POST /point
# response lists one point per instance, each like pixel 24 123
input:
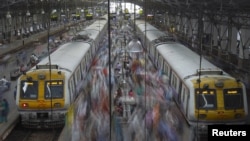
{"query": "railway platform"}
pixel 5 50
pixel 12 118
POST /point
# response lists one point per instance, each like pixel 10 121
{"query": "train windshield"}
pixel 233 98
pixel 29 89
pixel 54 88
pixel 205 99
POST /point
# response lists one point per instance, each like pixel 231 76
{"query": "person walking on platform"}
pixel 15 91
pixel 5 82
pixel 5 110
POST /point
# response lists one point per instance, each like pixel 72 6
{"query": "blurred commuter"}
pixel 5 110
pixel 1 109
pixel 118 127
pixel 5 82
pixel 15 91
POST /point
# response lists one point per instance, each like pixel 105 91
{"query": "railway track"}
pixel 23 134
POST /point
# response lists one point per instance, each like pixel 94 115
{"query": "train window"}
pixel 160 62
pixel 72 88
pixel 184 93
pixel 94 48
pixel 205 99
pixel 233 98
pixel 174 81
pixel 87 57
pixel 89 54
pixel 166 68
pixel 152 49
pixel 83 68
pixel 29 90
pixel 79 72
pixel 83 63
pixel 78 75
pixel 54 88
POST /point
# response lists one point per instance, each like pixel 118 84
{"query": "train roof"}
pixel 152 33
pixel 145 26
pixel 67 56
pixel 184 61
pixel 97 25
pixel 91 33
pixel 93 30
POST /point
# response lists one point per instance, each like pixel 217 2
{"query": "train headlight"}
pixel 57 105
pixel 25 105
pixel 237 116
pixel 202 116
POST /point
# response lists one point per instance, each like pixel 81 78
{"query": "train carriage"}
pixel 204 93
pixel 95 31
pixel 47 91
pixel 148 34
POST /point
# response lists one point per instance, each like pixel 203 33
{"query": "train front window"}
pixel 54 88
pixel 29 89
pixel 205 99
pixel 233 98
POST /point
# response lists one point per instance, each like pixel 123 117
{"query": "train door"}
pixel 184 99
pixel 71 88
pixel 93 48
pixel 88 59
pixel 155 55
pixel 179 85
pixel 78 78
pixel 166 68
pixel 174 86
pixel 160 62
pixel 151 50
pixel 83 68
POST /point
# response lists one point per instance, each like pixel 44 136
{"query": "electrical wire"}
pixel 110 93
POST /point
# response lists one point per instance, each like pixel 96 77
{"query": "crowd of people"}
pixel 152 115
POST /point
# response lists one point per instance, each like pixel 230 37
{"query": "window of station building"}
pixel 29 89
pixel 233 98
pixel 54 88
pixel 205 99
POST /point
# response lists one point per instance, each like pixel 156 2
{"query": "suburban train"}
pixel 46 92
pixel 204 93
